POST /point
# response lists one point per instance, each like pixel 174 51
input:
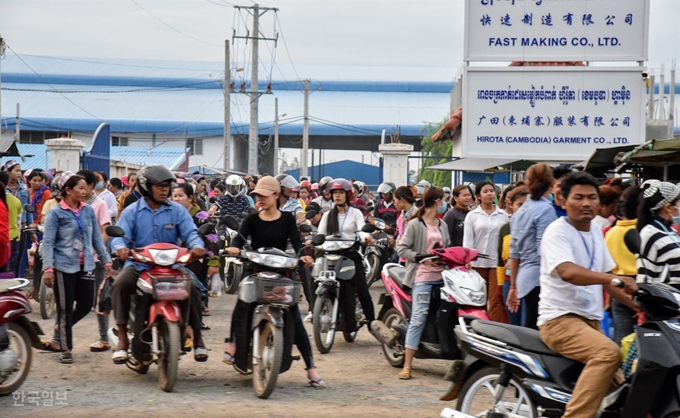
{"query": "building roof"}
pixel 38 156
pixel 347 169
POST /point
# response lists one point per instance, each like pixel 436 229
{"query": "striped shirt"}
pixel 659 246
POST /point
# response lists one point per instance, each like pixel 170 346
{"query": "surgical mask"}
pixel 441 209
pixel 551 198
pixel 99 185
pixel 676 219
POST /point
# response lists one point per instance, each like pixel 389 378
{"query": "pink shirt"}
pixel 427 273
pixel 101 211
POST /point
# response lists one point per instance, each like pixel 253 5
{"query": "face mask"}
pixel 441 209
pixel 676 219
pixel 99 185
pixel 551 198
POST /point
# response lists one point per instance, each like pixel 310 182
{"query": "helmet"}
pixel 361 186
pixel 341 184
pixel 324 182
pixel 235 185
pixel 306 184
pixel 385 188
pixel 152 174
pixel 287 181
pixel 447 190
pixel 424 183
pixel 315 186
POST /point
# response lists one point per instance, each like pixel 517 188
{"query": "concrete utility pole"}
pixel 305 134
pixel 227 103
pixel 17 126
pixel 276 135
pixel 253 134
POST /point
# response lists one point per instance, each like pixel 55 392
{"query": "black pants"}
pixel 70 288
pixel 530 308
pixel 353 288
pixel 308 286
pixel 200 269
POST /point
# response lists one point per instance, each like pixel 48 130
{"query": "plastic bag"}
pixel 104 302
pixel 216 288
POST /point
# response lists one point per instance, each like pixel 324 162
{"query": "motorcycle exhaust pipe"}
pixel 154 342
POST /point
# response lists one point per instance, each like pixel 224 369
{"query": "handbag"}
pixel 104 302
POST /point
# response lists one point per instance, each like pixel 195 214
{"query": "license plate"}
pixel 326 275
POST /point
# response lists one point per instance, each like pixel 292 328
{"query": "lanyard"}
pixel 343 221
pixel 669 232
pixel 80 222
pixel 591 256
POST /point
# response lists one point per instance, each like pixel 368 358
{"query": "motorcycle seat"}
pixel 398 274
pixel 525 338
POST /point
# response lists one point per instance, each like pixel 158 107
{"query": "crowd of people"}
pixel 549 240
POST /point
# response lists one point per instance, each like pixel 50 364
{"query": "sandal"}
pixel 204 327
pixel 317 384
pixel 206 312
pixel 120 356
pixel 200 354
pixel 66 358
pixel 100 346
pixel 228 358
pixel 49 346
pixel 405 374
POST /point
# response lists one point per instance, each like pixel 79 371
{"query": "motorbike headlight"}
pixel 273 261
pixel 476 296
pixel 164 257
pixel 337 245
pixel 142 258
pixel 185 258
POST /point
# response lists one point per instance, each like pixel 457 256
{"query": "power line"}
pixel 123 65
pixel 172 27
pixel 286 45
pixel 186 87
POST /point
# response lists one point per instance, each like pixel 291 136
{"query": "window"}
pixel 195 146
pixel 117 141
pixel 36 137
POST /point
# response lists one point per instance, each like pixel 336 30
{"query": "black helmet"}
pixel 324 182
pixel 152 174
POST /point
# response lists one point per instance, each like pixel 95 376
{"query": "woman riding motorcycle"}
pixel 345 221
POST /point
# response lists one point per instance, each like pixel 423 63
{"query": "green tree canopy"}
pixel 430 148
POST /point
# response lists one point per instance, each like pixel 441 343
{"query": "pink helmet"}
pixel 315 187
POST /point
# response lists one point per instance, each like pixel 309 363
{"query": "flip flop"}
pixel 228 358
pixel 200 354
pixel 47 346
pixel 120 356
pixel 100 346
pixel 317 384
pixel 66 358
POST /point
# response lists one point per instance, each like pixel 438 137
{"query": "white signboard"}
pixel 551 113
pixel 556 30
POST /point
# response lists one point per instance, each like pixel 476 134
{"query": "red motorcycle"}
pixel 157 323
pixel 17 335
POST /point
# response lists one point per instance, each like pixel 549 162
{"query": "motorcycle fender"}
pixel 386 302
pixel 264 313
pixel 325 290
pixel 344 270
pixel 459 373
pixel 33 329
pixel 166 308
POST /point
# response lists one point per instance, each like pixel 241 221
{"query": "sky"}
pixel 350 32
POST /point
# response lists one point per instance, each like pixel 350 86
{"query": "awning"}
pixel 8 148
pixel 603 158
pixel 483 164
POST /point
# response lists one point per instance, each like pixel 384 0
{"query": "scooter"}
pixel 17 335
pixel 380 253
pixel 463 293
pixel 157 323
pixel 232 267
pixel 509 372
pixel 273 329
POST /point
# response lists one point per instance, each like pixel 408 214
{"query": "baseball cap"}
pixel 267 186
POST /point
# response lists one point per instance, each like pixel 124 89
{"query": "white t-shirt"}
pixel 349 223
pixel 562 243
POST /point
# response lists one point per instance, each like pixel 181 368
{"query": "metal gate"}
pixel 98 157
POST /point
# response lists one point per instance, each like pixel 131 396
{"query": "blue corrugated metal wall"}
pixel 99 154
pixel 369 174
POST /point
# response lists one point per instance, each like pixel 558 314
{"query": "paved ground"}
pixel 360 382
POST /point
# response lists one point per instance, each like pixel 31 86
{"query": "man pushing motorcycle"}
pixel 153 219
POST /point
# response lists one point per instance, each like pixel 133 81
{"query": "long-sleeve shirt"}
pixel 349 223
pixel 274 233
pixel 170 223
pixel 110 201
pixel 659 246
pixel 481 233
pixel 526 230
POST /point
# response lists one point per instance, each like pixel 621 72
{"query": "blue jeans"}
pixel 421 304
pixel 624 321
pixel 102 320
pixel 515 318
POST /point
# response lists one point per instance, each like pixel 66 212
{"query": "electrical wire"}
pixel 211 70
pixel 185 87
pixel 172 27
pixel 286 46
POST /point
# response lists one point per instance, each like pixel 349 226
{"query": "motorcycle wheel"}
pixel 478 393
pixel 168 362
pixel 322 317
pixel 270 349
pixel 374 272
pixel 232 278
pixel 395 354
pixel 20 343
pixel 48 305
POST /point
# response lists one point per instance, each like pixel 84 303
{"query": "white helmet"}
pixel 287 181
pixel 235 185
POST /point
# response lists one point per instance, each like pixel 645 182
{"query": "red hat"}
pixel 124 179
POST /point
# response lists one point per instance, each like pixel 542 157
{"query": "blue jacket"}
pixel 25 197
pixel 62 231
pixel 170 223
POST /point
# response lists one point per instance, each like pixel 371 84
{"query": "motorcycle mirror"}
pixel 319 239
pixel 310 214
pixel 305 228
pixel 115 231
pixel 362 208
pixel 632 241
pixel 212 200
pixel 29 208
pixel 206 229
pixel 370 228
pixel 231 222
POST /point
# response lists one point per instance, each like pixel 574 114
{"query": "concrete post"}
pixel 65 154
pixel 395 162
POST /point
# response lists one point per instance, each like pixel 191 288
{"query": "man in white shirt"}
pixel 575 267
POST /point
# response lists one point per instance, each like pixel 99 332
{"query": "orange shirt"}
pixel 47 195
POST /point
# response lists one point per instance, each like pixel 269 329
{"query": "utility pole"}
pixel 253 134
pixel 276 135
pixel 305 134
pixel 17 127
pixel 227 103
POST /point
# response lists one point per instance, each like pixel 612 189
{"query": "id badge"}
pixel 78 245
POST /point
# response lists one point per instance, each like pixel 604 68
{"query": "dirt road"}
pixel 360 382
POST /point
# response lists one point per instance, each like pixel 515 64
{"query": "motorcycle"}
pixel 17 335
pixel 231 270
pixel 522 377
pixel 157 323
pixel 463 293
pixel 380 253
pixel 329 272
pixel 273 328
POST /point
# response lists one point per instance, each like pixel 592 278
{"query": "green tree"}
pixel 430 148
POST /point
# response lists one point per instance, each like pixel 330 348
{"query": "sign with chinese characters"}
pixel 551 113
pixel 556 30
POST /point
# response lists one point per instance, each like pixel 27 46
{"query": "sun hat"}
pixel 267 186
pixel 64 178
